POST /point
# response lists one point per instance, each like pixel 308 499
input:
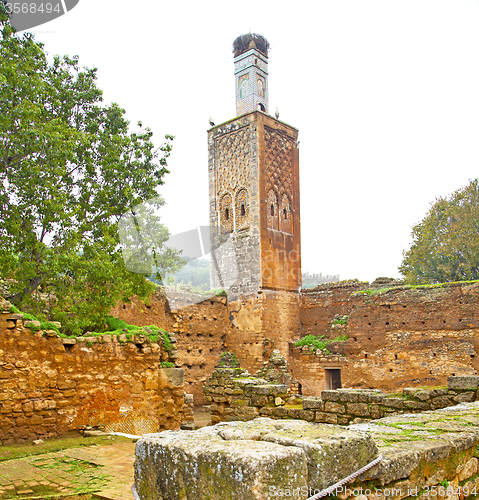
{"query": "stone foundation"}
pixel 234 395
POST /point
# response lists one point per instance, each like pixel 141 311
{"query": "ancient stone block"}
pixel 330 395
pixel 416 405
pixel 312 403
pixel 393 403
pixel 463 382
pixel 307 415
pixel 327 418
pixel 441 402
pixel 464 397
pixel 334 407
pixel 280 412
pixel 259 400
pixel 465 471
pixel 242 469
pixel 359 409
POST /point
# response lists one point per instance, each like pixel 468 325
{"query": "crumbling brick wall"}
pixel 50 386
pixel 200 329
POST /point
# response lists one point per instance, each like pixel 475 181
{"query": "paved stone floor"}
pixel 105 471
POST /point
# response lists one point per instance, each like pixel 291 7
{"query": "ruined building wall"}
pixel 319 305
pixel 199 328
pixel 50 386
pixel 409 337
pixel 271 315
pixel 398 337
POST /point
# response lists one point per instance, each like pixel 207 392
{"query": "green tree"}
pixel 69 170
pixel 446 242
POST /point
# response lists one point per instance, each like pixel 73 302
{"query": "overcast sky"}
pixel 385 95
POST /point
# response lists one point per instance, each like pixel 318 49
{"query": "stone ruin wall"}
pixel 50 386
pixel 199 328
pixel 397 338
pixel 410 337
pixel 205 330
pixel 236 396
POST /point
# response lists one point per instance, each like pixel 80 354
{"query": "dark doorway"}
pixel 332 379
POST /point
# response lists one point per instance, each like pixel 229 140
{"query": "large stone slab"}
pixel 463 382
pixel 247 460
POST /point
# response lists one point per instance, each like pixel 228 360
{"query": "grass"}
pixel 20 450
pixel 116 327
pixel 413 287
pixel 319 342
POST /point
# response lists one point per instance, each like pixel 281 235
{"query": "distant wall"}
pixel 50 386
pixel 319 305
pixel 406 337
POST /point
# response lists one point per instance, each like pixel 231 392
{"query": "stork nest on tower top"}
pixel 246 42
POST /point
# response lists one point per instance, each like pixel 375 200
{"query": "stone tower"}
pixel 254 187
pixel 251 73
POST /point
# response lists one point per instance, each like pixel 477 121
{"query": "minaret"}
pixel 251 73
pixel 254 187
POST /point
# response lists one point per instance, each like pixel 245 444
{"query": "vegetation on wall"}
pixel 70 168
pixel 446 242
pixel 319 342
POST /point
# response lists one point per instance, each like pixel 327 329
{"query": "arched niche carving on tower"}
pixel 272 210
pixel 286 215
pixel 226 214
pixel 242 210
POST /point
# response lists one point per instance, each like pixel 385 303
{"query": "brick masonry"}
pixel 51 386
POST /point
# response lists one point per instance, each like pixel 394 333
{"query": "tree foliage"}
pixel 446 242
pixel 69 169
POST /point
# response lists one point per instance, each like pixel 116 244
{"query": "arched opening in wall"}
pixel 332 379
pixel 272 212
pixel 261 107
pixel 226 207
pixel 242 212
pixel 286 214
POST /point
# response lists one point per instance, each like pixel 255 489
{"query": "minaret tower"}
pixel 254 186
pixel 251 73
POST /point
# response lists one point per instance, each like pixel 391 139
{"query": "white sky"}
pixel 385 95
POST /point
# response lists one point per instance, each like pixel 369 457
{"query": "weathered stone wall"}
pixel 271 315
pixel 319 305
pixel 206 329
pixel 404 337
pixel 50 386
pixel 397 338
pixel 235 395
pixel 309 367
pixel 200 330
